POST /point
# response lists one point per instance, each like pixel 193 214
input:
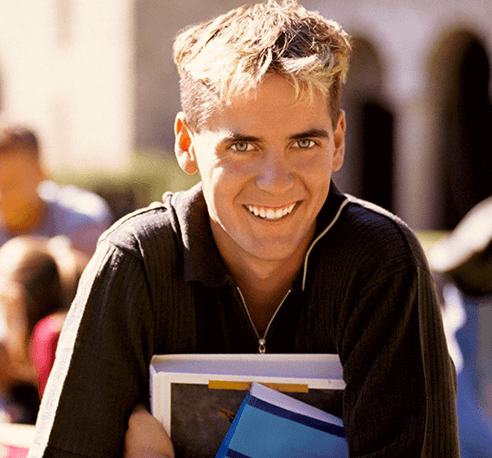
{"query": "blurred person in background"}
pixel 462 265
pixel 30 204
pixel 38 280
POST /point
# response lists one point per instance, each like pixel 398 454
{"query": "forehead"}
pixel 275 106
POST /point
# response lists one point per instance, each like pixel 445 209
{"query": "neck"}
pixel 263 283
pixel 264 275
pixel 263 297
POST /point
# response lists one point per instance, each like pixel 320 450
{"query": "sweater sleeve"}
pixel 101 368
pixel 401 388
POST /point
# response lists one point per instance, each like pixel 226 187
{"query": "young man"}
pixel 264 255
pixel 31 205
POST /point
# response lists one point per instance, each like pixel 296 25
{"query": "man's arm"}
pixel 401 388
pixel 101 367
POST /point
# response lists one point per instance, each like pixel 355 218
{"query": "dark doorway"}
pixel 370 128
pixel 461 74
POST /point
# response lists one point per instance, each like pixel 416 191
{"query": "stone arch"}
pixel 368 169
pixel 459 87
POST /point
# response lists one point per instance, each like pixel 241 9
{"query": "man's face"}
pixel 265 163
pixel 20 176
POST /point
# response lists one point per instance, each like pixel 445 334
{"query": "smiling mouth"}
pixel 269 213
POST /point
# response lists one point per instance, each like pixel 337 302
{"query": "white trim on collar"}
pixel 320 236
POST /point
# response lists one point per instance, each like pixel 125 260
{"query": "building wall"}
pixel 97 80
pixel 406 36
pixel 156 78
pixel 66 70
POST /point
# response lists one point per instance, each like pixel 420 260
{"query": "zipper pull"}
pixel 262 346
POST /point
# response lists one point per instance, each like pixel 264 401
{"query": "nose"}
pixel 275 175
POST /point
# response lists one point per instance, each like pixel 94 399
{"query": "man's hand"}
pixel 146 437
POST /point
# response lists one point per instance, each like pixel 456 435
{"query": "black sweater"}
pixel 157 285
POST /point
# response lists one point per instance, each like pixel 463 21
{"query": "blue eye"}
pixel 305 143
pixel 242 147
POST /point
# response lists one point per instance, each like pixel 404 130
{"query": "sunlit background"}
pixel 95 79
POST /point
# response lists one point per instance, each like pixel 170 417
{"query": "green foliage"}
pixel 151 174
pixel 160 173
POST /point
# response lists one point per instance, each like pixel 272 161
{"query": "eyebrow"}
pixel 240 138
pixel 317 133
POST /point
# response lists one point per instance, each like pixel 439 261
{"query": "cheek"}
pixel 337 162
pixel 317 182
pixel 19 197
pixel 316 172
pixel 224 179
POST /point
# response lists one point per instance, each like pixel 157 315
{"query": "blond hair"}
pixel 232 54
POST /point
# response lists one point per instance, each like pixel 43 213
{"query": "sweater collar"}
pixel 201 259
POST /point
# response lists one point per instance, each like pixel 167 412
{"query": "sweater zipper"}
pixel 262 340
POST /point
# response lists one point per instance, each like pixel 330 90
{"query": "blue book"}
pixel 273 424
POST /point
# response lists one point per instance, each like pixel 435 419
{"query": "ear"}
pixel 339 139
pixel 183 146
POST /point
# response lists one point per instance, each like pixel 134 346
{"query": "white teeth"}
pixel 271 214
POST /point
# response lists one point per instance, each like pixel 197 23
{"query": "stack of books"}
pixel 204 400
